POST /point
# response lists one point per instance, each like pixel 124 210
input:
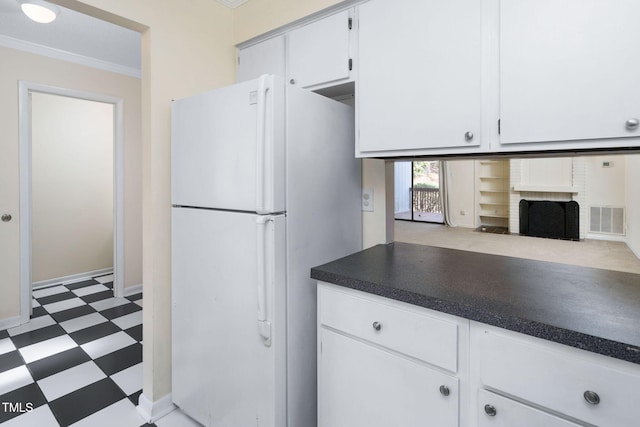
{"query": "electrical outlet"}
pixel 367 199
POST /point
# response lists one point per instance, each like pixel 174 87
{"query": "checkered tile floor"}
pixel 77 362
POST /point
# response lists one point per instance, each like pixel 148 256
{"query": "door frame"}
pixel 24 118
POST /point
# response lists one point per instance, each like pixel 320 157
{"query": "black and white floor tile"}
pixel 77 362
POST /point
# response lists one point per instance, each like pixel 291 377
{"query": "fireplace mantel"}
pixel 522 188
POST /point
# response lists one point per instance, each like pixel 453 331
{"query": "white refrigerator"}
pixel 264 185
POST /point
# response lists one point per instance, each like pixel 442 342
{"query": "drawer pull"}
pixel 632 124
pixel 490 410
pixel 444 390
pixel 377 326
pixel 591 397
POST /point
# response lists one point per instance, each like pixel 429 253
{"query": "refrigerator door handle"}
pixel 264 153
pixel 265 269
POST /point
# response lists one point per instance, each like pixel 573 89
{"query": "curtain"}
pixel 444 193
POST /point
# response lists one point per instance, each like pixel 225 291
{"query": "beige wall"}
pixel 187 47
pixel 72 151
pixel 16 66
pixel 259 16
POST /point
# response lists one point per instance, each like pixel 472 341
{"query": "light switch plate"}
pixel 367 199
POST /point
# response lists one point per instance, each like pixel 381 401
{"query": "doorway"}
pixel 59 216
pixel 417 191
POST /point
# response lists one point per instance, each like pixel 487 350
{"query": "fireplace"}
pixel 550 219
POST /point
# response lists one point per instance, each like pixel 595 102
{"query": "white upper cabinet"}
pixel 569 73
pixel 315 55
pixel 266 57
pixel 319 53
pixel 419 78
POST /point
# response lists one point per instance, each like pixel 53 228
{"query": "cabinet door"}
pixel 266 57
pixel 318 53
pixel 419 75
pixel 360 385
pixel 568 70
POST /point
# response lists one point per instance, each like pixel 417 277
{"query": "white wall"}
pixel 377 226
pixel 633 203
pixel 72 186
pixel 547 172
pixel 606 186
pixel 462 189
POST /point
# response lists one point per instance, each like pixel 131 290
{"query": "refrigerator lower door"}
pixel 228 326
pixel 227 148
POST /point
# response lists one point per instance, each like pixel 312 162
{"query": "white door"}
pixel 227 148
pixel 364 386
pixel 228 329
pixel 568 70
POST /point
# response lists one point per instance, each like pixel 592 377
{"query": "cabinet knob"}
pixel 591 397
pixel 490 410
pixel 292 81
pixel 632 124
pixel 468 136
pixel 6 218
pixel 444 390
pixel 377 326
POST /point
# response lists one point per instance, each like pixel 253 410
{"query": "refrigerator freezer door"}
pixel 227 148
pixel 228 327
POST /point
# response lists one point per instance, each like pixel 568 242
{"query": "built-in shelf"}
pixel 493 192
pixel 494 215
pixel 524 188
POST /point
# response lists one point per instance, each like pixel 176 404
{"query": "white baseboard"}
pixel 9 322
pixel 153 411
pixel 132 290
pixel 72 278
pixel 607 237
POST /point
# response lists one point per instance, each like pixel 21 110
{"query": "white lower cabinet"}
pixel 586 388
pixel 385 363
pixel 363 385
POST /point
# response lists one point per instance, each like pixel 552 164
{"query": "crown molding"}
pixel 63 55
pixel 232 4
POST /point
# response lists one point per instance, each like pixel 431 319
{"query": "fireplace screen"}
pixel 551 219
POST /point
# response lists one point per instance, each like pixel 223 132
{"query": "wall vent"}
pixel 607 220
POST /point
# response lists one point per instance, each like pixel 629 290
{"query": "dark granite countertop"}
pixel 587 308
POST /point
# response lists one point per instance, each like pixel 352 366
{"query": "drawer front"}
pixel 498 411
pixel 422 336
pixel 560 380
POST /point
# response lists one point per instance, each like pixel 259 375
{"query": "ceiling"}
pixel 72 36
pixel 77 38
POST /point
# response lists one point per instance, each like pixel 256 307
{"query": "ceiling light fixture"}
pixel 39 11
